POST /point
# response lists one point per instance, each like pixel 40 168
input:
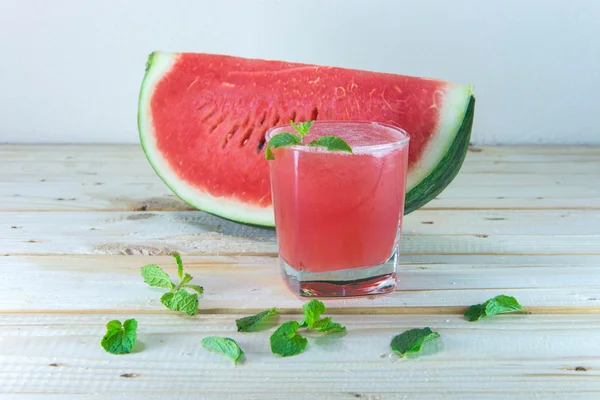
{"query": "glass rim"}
pixel 403 140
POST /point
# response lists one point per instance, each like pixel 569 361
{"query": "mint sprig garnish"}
pixel 331 143
pixel 224 345
pixel 302 127
pixel 280 140
pixel 412 341
pixel 120 338
pixel 497 305
pixel 256 322
pixel 287 342
pixel 177 299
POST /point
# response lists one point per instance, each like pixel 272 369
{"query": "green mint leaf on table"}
pixel 177 258
pixel 154 276
pixel 254 322
pixel 286 342
pixel 498 305
pixel 280 140
pixel 198 289
pixel 312 312
pixel 186 278
pixel 331 143
pixel 223 345
pixel 302 127
pixel 475 312
pixel 181 301
pixel 412 340
pixel 120 338
pixel 327 325
pixel 177 299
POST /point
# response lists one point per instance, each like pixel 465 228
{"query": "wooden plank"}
pixel 425 231
pixel 518 356
pixel 68 178
pixel 100 284
pixel 131 192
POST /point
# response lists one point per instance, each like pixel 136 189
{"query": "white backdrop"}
pixel 70 70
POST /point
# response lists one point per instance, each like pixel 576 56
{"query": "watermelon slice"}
pixel 202 121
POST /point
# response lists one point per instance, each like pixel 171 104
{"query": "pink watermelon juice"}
pixel 338 214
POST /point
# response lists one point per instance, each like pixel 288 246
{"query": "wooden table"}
pixel 78 222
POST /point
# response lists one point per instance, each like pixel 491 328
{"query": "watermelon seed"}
pixel 210 114
pixel 262 118
pixel 246 120
pixel 314 114
pixel 230 135
pixel 261 144
pixel 277 118
pixel 247 135
pixel 293 116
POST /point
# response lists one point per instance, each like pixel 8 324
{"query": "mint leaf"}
pixel 120 339
pixel 332 143
pixel 186 278
pixel 312 311
pixel 254 322
pixel 412 340
pixel 498 305
pixel 475 312
pixel 286 342
pixel 502 304
pixel 302 127
pixel 177 299
pixel 280 140
pixel 177 258
pixel 154 276
pixel 327 325
pixel 199 289
pixel 223 345
pixel 181 301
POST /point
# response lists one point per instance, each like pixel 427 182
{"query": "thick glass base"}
pixel 368 281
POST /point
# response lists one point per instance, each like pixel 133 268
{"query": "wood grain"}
pixel 524 355
pixel 78 222
pixel 425 231
pixel 119 178
pixel 38 284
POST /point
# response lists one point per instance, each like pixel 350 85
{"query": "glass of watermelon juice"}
pixel 338 215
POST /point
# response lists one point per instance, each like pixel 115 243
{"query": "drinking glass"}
pixel 338 215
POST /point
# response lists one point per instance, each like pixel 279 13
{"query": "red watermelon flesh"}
pixel 203 119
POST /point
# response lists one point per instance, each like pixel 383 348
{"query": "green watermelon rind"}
pixel 442 158
pixel 446 169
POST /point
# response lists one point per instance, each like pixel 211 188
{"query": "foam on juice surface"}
pixel 359 134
